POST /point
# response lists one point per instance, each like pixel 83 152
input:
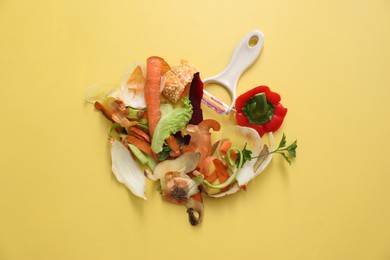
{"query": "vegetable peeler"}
pixel 245 54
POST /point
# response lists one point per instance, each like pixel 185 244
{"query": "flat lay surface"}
pixel 328 60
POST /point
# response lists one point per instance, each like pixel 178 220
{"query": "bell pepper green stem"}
pixel 260 105
pixel 258 110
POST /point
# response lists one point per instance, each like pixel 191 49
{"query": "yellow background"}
pixel 330 62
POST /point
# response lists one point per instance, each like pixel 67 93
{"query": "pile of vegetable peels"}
pixel 158 133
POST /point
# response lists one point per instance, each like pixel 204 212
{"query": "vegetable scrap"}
pixel 158 133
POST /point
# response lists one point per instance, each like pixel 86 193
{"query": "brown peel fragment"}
pixel 195 209
pixel 201 136
pixel 261 158
pixel 148 174
pixel 214 147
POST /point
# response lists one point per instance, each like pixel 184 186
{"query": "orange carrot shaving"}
pixel 204 165
pixel 172 143
pixel 233 155
pixel 189 148
pixel 220 167
pixel 222 172
pixel 211 177
pixel 105 112
pixel 142 145
pixel 225 146
pixel 139 133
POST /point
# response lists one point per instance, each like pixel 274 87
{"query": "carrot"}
pixel 105 112
pixel 155 68
pixel 233 155
pixel 222 172
pixel 220 167
pixel 204 165
pixel 204 168
pixel 139 133
pixel 225 146
pixel 172 143
pixel 212 177
pixel 142 145
pixel 191 147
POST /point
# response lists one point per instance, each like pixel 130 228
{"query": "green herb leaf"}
pixel 283 141
pixel 285 157
pixel 164 154
pixel 246 155
pixel 291 149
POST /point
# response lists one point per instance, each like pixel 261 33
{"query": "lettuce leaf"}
pixel 171 123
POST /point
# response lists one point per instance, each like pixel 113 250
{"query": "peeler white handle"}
pixel 244 55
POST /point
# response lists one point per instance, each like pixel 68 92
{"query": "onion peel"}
pixel 126 169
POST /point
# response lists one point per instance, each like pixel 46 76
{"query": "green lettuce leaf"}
pixel 171 123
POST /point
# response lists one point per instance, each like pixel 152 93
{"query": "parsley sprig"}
pixel 285 151
pixel 290 149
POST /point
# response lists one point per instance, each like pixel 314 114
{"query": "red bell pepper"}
pixel 260 109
